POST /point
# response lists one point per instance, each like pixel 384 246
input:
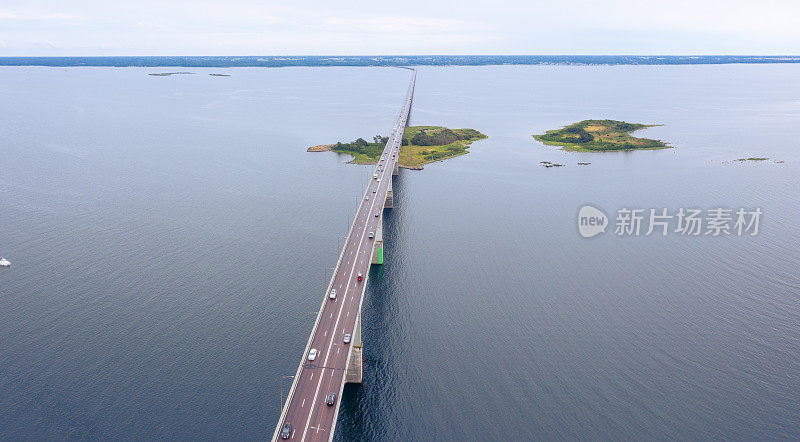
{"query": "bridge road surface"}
pixel 305 408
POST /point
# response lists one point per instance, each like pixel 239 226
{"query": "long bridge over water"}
pixel 336 362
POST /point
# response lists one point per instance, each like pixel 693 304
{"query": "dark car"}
pixel 286 431
pixel 331 398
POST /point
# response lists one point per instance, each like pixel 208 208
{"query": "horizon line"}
pixel 413 55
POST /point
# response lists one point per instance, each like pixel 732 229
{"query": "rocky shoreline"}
pixel 320 148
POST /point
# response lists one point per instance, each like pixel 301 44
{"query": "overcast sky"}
pixel 327 27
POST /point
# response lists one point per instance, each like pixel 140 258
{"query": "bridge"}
pixel 335 361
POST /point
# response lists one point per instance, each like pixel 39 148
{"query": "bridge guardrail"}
pixel 290 395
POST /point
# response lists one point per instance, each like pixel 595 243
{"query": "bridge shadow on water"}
pixel 365 408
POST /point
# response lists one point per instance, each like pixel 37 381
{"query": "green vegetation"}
pixel 426 144
pixel 363 151
pixel 599 136
pixel 420 145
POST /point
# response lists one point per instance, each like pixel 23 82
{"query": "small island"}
pixel 167 74
pixel 421 145
pixel 600 136
pixel 752 159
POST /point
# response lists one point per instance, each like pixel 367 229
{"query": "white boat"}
pixel 4 262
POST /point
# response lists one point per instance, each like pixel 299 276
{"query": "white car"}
pixel 371 235
pixel 333 294
pixel 346 338
pixel 367 197
pixel 312 354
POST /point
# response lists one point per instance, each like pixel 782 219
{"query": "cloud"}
pixel 280 27
pixel 150 25
pixel 390 24
pixel 6 14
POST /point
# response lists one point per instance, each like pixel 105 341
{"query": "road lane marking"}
pixel 390 163
pixel 335 326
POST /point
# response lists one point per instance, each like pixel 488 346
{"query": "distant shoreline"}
pixel 395 60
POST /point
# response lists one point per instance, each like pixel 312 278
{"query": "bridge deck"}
pixel 305 406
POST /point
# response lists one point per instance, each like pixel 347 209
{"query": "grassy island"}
pixel 600 136
pixel 421 145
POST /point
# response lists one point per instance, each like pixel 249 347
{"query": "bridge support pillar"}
pixel 355 366
pixel 389 197
pixel 396 169
pixel 377 248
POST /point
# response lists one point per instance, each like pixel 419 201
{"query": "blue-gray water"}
pixel 169 237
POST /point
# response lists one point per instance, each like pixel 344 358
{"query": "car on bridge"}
pixel 360 276
pixel 333 294
pixel 376 214
pixel 371 235
pixel 312 354
pixel 347 338
pixel 286 431
pixel 331 398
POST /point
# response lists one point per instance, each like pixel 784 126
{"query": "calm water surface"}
pixel 169 237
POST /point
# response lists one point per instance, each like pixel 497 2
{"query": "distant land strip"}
pixel 394 60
